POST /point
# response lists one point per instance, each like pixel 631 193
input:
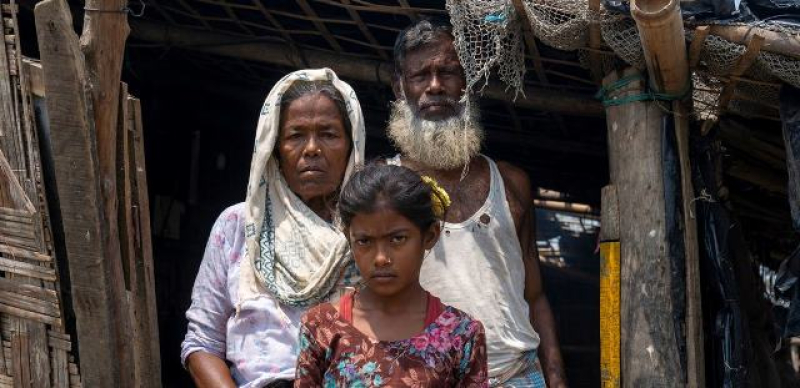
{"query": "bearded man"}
pixel 486 262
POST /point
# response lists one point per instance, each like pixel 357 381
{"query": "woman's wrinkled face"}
pixel 313 146
pixel 388 249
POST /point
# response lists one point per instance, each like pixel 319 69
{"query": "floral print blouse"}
pixel 450 352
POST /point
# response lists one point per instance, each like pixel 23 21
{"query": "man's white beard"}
pixel 443 145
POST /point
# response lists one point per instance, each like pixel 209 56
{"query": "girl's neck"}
pixel 406 300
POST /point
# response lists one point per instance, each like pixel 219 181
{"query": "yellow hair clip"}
pixel 439 197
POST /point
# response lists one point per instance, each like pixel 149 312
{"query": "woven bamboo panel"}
pixel 36 352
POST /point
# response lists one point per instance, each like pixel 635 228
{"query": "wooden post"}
pixel 649 352
pixel 96 285
pixel 105 29
pixel 661 31
pixel 143 289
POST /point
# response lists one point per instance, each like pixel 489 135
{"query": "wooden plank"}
pixel 610 276
pixel 19 202
pixel 60 368
pixel 695 351
pixel 609 214
pixel 144 286
pixel 610 331
pixel 25 269
pixel 25 314
pixel 125 196
pixel 20 359
pixel 649 351
pixel 77 175
pixel 28 290
pixel 698 40
pixel 19 242
pixel 27 303
pixel 103 45
pixel 58 343
pixel 9 129
pixel 18 224
pixel 24 254
pixel 35 77
pixel 11 213
pixel 38 354
pixel 17 230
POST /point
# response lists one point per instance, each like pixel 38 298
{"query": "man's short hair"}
pixel 416 36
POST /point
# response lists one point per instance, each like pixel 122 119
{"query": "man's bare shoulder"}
pixel 516 181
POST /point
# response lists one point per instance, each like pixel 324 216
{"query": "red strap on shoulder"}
pixel 435 308
pixel 346 307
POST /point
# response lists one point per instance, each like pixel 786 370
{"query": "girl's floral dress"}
pixel 450 352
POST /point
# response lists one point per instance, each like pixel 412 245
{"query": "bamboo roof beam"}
pixel 371 7
pixel 195 15
pixel 365 31
pixel 745 61
pixel 235 19
pixel 272 20
pixel 774 42
pixel 535 56
pixel 367 70
pixel 319 25
pixel 412 15
pixel 595 41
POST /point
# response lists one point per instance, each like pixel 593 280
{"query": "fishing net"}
pixel 561 24
pixel 489 35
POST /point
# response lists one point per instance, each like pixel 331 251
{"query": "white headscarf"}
pixel 292 253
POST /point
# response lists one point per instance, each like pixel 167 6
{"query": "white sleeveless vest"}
pixel 477 267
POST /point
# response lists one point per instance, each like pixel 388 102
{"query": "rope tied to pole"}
pixel 604 94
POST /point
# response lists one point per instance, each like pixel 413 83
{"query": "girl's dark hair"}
pixel 399 187
pixel 300 89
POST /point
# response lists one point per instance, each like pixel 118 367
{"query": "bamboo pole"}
pixel 661 30
pixel 774 42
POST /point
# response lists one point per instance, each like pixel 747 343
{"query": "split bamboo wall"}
pixel 36 351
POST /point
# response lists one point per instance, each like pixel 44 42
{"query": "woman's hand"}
pixel 209 371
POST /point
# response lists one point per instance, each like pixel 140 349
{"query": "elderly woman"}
pixel 272 257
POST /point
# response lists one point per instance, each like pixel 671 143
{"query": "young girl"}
pixel 391 332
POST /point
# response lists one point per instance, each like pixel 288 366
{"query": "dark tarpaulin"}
pixel 674 227
pixel 737 319
pixel 790 117
pixel 790 268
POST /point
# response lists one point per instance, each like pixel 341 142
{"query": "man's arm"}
pixel 541 316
